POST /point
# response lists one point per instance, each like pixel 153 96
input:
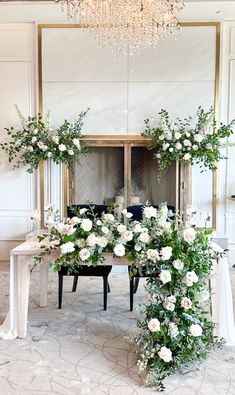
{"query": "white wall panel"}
pixel 15 42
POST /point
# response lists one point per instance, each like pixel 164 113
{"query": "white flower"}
pixel 91 240
pixel 127 235
pixel 129 215
pixel 165 354
pixel 178 264
pixel 144 237
pixel 209 146
pixel 35 131
pixel 150 212
pixel 195 330
pixel 71 152
pixel 83 211
pixel 165 146
pixel 166 253
pixel 102 241
pixel 121 228
pixel 190 278
pixel 186 303
pixel 171 149
pixel 168 135
pixel 173 330
pixel 189 235
pixel 161 137
pixel 86 224
pixel 74 220
pixel 165 276
pixel 124 212
pixel 177 135
pixel 198 138
pixel 158 156
pixel 137 228
pixel 55 139
pixel 105 230
pixel 203 296
pixel 80 243
pixel 40 144
pixel 195 147
pixel 99 222
pixel 137 247
pixel 84 254
pixel 108 217
pixel 34 139
pixel 49 154
pixel 30 148
pixel 119 250
pixel 67 248
pixel 76 142
pixel 154 325
pixel 178 146
pixel 169 304
pixel 62 147
pixel 187 143
pixel 187 156
pixel 65 229
pixel 153 255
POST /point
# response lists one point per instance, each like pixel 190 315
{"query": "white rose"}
pixel 198 138
pixel 74 220
pixel 144 237
pixel 150 212
pixel 65 229
pixel 165 276
pixel 80 243
pixel 127 235
pixel 178 264
pixel 137 247
pixel 83 211
pixel 168 305
pixel 129 215
pixel 195 147
pixel 166 253
pixel 189 235
pixel 190 278
pixel 30 148
pixel 119 250
pixel 121 228
pixel 186 303
pixel 62 147
pixel 178 146
pixel 186 156
pixel 49 154
pixel 161 137
pixel 165 354
pixel 108 217
pixel 195 330
pixel 34 139
pixel 67 248
pixel 40 144
pixel 55 139
pixel 209 146
pixel 171 149
pixel 91 240
pixel 99 222
pixel 187 143
pixel 137 228
pixel 71 152
pixel 86 224
pixel 84 254
pixel 165 146
pixel 102 241
pixel 173 330
pixel 153 255
pixel 76 142
pixel 158 156
pixel 154 325
pixel 177 135
pixel 105 230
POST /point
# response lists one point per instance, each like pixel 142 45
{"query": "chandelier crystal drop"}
pixel 126 25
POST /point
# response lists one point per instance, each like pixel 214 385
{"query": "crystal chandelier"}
pixel 126 25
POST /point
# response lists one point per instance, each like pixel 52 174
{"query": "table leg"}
pixel 43 283
pixel 22 293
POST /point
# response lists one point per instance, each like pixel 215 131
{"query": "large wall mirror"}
pixel 179 75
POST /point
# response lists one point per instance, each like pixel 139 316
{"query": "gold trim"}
pixel 217 25
pixel 41 173
pixel 65 189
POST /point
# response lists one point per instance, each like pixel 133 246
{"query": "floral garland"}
pixel 188 140
pixel 36 141
pixel 176 331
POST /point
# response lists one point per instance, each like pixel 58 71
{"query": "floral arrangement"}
pixel 176 331
pixel 36 141
pixel 188 140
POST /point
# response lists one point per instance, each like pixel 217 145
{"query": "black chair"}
pixel 86 271
pixel 137 212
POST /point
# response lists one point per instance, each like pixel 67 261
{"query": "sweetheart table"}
pixel 21 260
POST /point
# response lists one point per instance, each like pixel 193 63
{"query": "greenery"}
pixel 176 331
pixel 188 140
pixel 36 141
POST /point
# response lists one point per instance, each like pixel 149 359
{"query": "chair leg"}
pixel 105 291
pixel 75 283
pixel 60 291
pixel 137 280
pixel 131 293
pixel 109 289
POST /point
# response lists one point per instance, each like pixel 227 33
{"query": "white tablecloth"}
pixel 15 324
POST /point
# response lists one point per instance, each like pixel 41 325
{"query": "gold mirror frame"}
pixel 217 25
